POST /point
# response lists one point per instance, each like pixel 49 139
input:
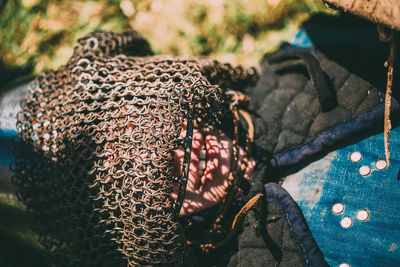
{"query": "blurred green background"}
pixel 40 34
pixel 37 35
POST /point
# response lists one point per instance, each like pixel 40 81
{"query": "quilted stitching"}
pixel 288 107
pixel 254 252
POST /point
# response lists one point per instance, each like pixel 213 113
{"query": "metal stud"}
pixel 364 170
pixel 381 164
pixel 337 208
pixel 346 222
pixel 362 215
pixel 355 156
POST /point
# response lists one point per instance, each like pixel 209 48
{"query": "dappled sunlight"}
pixel 208 190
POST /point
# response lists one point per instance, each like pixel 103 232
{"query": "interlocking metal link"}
pixel 94 151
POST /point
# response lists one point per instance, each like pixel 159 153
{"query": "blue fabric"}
pixel 296 223
pixel 301 39
pixel 9 107
pixel 336 179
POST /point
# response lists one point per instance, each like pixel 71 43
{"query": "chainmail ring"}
pixel 94 151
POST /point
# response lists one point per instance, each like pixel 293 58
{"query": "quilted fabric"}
pixel 253 251
pixel 290 124
pixel 288 107
pixel 286 241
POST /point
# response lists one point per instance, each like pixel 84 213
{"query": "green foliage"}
pixel 40 34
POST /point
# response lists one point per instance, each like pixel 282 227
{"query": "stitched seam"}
pixel 353 111
pixel 336 91
pixel 357 111
pixel 344 80
pixel 300 243
pixel 329 128
pixel 283 114
pixel 309 124
pixel 282 209
pixel 275 87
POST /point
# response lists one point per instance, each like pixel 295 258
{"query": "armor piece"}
pixel 94 151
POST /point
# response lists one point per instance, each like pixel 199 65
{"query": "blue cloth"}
pixel 301 39
pixel 336 179
pixel 9 107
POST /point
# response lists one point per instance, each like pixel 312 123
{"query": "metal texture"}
pixel 94 151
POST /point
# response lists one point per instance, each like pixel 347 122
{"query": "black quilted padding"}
pixel 279 248
pixel 288 113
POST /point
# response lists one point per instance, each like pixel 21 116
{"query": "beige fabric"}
pixel 386 12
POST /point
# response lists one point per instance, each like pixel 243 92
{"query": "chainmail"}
pixel 94 150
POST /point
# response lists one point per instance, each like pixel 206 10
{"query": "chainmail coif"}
pixel 94 151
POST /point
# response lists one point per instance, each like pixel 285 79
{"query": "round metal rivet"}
pixel 381 164
pixel 344 265
pixel 337 208
pixel 362 215
pixel 346 222
pixel 355 156
pixel 364 170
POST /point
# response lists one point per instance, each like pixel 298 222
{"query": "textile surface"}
pixel 336 179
